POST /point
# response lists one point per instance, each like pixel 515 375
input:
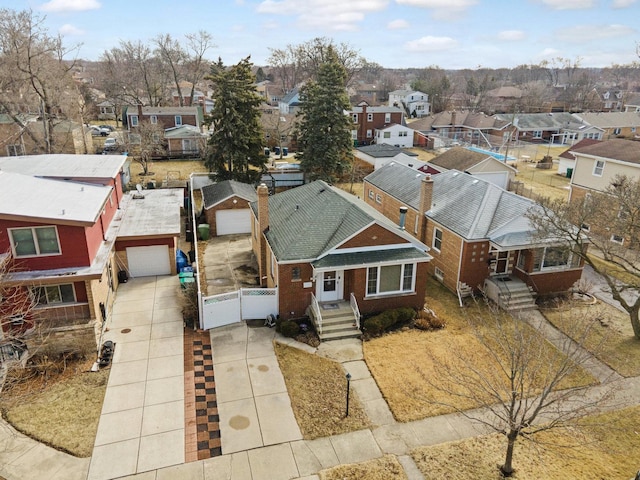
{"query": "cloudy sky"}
pixel 393 33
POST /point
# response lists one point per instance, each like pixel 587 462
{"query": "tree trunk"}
pixel 634 315
pixel 507 468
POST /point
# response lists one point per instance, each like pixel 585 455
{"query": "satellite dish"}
pixel 139 188
pixel 139 193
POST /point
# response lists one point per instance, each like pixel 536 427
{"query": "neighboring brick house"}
pixel 61 219
pixel 226 207
pixel 322 246
pixel 613 124
pixel 478 233
pixel 597 165
pixel 164 117
pixel 462 126
pixel 478 164
pixel 366 120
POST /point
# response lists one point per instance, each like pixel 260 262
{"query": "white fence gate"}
pixel 243 304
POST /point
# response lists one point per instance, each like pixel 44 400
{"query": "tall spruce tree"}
pixel 324 132
pixel 236 144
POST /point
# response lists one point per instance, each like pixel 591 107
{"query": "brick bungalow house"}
pixel 478 234
pixel 322 247
pixel 226 207
pixel 70 229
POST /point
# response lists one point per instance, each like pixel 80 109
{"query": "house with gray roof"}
pixel 613 124
pixel 226 207
pixel 325 250
pixel 479 234
pixel 475 163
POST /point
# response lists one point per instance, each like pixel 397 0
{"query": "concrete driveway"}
pixel 229 264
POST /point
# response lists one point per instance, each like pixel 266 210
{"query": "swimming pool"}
pixel 496 155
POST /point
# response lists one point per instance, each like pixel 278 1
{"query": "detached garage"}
pixel 226 207
pixel 147 240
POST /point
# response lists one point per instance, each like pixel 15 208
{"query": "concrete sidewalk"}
pixel 142 425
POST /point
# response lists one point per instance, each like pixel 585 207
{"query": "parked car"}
pixel 107 127
pixel 110 145
pixel 99 131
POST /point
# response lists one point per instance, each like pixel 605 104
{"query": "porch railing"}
pixel 356 311
pixel 315 308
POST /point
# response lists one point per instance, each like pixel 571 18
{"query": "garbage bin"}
pixel 277 152
pixel 203 231
pixel 285 151
pixel 569 172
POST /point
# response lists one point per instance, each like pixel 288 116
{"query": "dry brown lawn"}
pixel 62 411
pixel 317 388
pixel 407 365
pixel 164 169
pixel 611 340
pixel 545 183
pixel 609 449
pixel 383 468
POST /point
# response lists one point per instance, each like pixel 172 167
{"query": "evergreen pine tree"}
pixel 324 132
pixel 236 144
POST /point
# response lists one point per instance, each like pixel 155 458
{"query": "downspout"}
pixel 458 279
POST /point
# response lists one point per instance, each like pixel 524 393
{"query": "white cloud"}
pixel 332 14
pixel 70 5
pixel 570 4
pixel 68 29
pixel 431 44
pixel 398 24
pixel 511 35
pixel 582 33
pixel 441 9
pixel 622 3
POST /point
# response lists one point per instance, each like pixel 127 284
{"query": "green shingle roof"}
pixel 362 259
pixel 308 221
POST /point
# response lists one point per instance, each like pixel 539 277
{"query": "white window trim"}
pixel 178 120
pixel 387 118
pixel 369 133
pixel 537 134
pixel 134 120
pixel 38 254
pixel 614 240
pixel 153 119
pixel 394 292
pixel 378 198
pixel 439 274
pixel 595 167
pixel 371 194
pixel 369 117
pixel 433 242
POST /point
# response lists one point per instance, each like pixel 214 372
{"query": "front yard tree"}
pixel 324 133
pixel 145 143
pixel 236 144
pixel 520 379
pixel 610 225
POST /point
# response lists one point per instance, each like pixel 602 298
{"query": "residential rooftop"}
pixel 65 165
pixel 153 212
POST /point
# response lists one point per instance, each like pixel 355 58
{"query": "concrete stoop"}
pixel 338 322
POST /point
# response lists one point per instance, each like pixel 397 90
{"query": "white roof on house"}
pixel 157 213
pixel 65 165
pixel 59 201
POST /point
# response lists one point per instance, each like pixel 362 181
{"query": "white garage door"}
pixel 148 261
pixel 233 221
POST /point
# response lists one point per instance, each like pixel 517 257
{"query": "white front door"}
pixel 329 286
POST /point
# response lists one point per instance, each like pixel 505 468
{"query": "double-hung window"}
pixel 34 241
pixel 598 168
pixel 389 279
pixel 437 239
pixel 178 120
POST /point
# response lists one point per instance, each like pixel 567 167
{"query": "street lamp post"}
pixel 348 383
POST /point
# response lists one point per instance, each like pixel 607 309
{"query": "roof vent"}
pixel 455 174
pixel 475 181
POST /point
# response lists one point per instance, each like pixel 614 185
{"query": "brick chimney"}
pixel 453 118
pixel 263 226
pixel 139 112
pixel 426 193
pixel 426 200
pixel 263 207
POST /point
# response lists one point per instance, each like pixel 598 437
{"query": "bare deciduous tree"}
pixel 609 223
pixel 522 380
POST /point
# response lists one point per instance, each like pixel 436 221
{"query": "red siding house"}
pixel 61 217
pixel 326 250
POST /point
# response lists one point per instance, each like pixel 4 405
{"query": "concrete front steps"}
pixel 337 323
pixel 519 297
